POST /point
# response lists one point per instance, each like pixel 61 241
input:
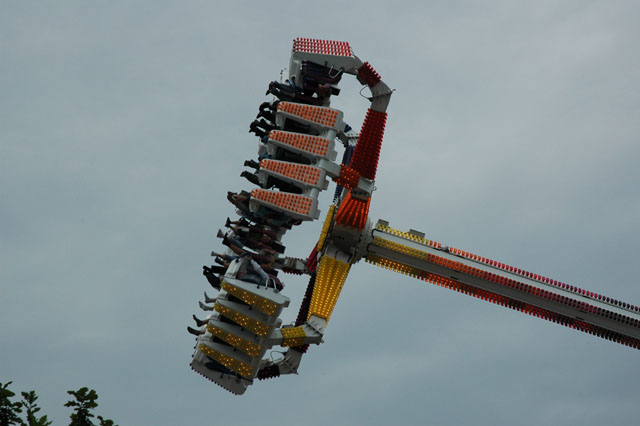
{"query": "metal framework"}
pixel 297 155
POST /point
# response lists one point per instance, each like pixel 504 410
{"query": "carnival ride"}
pixel 298 133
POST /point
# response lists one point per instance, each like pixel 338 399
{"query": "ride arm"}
pixel 411 254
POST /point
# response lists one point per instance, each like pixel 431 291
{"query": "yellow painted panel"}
pixel 260 303
pixel 259 328
pixel 330 278
pixel 325 227
pixel 237 342
pixel 231 363
pixel 293 336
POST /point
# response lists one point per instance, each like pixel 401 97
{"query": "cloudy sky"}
pixel 512 133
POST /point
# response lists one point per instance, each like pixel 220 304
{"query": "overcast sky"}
pixel 513 133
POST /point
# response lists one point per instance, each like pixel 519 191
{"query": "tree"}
pixel 85 401
pixel 31 408
pixel 9 410
pixel 105 422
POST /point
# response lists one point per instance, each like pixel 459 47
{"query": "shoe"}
pixel 199 322
pixel 251 177
pixel 252 163
pixel 215 283
pixel 205 307
pixel 280 248
pixel 209 299
pixel 264 105
pixel 220 234
pixel 227 223
pixel 218 269
pixel 194 331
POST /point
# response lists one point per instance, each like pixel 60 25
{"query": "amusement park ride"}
pixel 297 156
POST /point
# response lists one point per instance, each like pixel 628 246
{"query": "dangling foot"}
pixel 205 307
pixel 252 163
pixel 208 299
pixel 251 178
pixel 199 322
pixel 194 331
